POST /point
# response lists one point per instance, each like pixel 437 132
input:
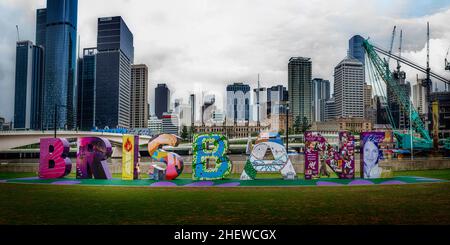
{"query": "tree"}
pixel 301 125
pixel 305 125
pixel 297 125
pixel 184 133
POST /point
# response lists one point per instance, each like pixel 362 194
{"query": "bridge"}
pixel 10 140
pixel 19 140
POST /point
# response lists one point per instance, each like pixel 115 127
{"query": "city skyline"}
pixel 244 54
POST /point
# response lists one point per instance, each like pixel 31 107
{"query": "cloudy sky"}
pixel 202 45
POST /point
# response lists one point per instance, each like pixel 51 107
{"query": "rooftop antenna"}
pixel 428 84
pixel 18 36
pixel 428 51
pixel 400 52
pixel 257 101
pixel 447 65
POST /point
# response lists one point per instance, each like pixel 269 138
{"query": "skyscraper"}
pixel 193 108
pixel 401 120
pixel 113 73
pixel 277 97
pixel 238 103
pixel 356 49
pixel 419 100
pixel 86 89
pixel 260 103
pixel 139 96
pixel 41 27
pixel 300 87
pixel 60 64
pixel 208 108
pixel 28 86
pixel 330 109
pixel 349 78
pixel 162 100
pixel 321 94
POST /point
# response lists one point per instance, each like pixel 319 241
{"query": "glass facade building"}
pixel 86 89
pixel 162 100
pixel 41 27
pixel 356 49
pixel 60 64
pixel 28 86
pixel 113 73
pixel 300 88
pixel 321 94
pixel 238 102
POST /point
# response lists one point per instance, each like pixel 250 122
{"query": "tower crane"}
pixel 394 32
pixel 400 52
pixel 447 65
pixel 380 70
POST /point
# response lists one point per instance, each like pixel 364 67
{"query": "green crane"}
pixel 382 72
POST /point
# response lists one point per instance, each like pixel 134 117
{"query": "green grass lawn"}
pixel 403 204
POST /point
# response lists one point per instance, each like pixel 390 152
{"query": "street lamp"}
pixel 287 127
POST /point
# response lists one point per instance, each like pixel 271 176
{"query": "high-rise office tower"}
pixel 41 27
pixel 238 103
pixel 155 125
pixel 370 112
pixel 86 89
pixel 330 109
pixel 381 109
pixel 401 120
pixel 113 73
pixel 419 99
pixel 28 86
pixel 162 100
pixel 356 49
pixel 176 105
pixel 277 97
pixel 170 124
pixel 321 94
pixel 139 96
pixel 208 108
pixel 300 87
pixel 260 104
pixel 193 108
pixel 60 64
pixel 184 112
pixel 349 78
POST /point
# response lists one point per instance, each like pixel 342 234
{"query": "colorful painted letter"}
pixel 318 150
pixel 371 154
pixel 206 148
pixel 54 162
pixel 174 162
pixel 92 158
pixel 347 153
pixel 266 142
pixel 130 157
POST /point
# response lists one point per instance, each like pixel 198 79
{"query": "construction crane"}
pixel 399 67
pixel 381 72
pixel 411 64
pixel 447 65
pixel 394 32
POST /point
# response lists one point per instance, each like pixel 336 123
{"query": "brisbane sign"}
pixel 210 160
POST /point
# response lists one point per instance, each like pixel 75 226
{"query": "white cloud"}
pixel 202 45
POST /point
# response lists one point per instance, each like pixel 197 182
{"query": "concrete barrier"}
pixel 238 165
